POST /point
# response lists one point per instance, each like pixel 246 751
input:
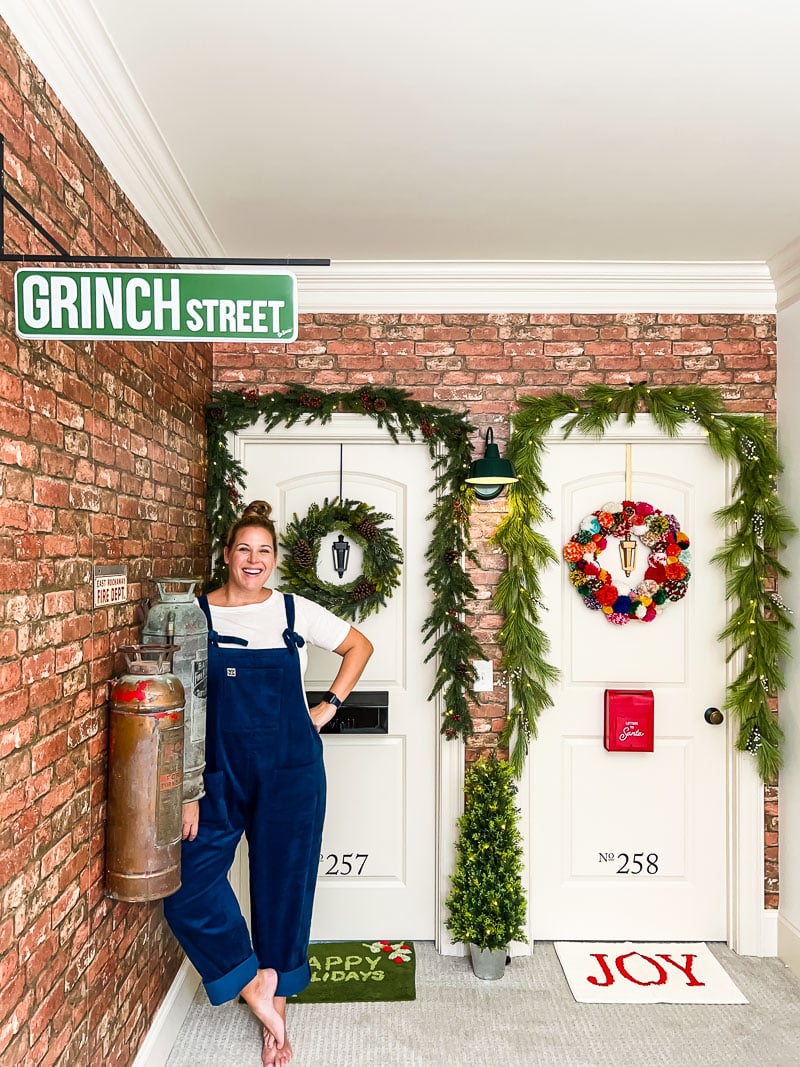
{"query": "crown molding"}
pixel 69 44
pixel 785 270
pixel 533 286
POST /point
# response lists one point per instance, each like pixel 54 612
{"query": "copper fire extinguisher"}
pixel 145 781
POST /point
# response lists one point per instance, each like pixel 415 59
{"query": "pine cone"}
pixel 451 557
pixel 363 590
pixel 301 554
pixel 368 530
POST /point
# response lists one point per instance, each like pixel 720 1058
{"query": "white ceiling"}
pixel 440 129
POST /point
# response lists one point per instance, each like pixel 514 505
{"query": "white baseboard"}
pixel 789 944
pixel 168 1020
pixel 769 932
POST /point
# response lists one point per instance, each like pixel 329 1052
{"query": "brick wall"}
pixel 102 460
pixel 481 364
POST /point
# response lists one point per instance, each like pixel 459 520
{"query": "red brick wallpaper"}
pixel 481 364
pixel 102 460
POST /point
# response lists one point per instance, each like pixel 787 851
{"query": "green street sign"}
pixel 156 305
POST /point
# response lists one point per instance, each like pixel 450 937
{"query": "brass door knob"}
pixel 713 716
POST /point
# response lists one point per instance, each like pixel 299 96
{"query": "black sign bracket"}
pixel 61 255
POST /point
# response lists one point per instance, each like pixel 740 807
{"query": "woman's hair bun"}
pixel 257 507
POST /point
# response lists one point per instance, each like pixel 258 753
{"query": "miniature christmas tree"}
pixel 487 900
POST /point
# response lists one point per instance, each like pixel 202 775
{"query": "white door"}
pixel 377 867
pixel 632 845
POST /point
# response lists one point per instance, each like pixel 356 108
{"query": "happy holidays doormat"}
pixel 632 972
pixel 359 971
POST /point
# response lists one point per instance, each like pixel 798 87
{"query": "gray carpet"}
pixel 528 1018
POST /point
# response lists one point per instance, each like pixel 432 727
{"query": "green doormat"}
pixel 359 971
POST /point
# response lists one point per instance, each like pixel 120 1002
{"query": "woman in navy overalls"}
pixel 264 778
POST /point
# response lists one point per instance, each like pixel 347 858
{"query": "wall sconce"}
pixel 489 476
pixel 341 554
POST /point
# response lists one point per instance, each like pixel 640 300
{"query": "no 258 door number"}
pixel 630 862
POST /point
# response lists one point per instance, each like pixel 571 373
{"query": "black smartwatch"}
pixel 331 698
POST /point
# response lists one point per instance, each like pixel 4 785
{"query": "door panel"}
pixel 377 865
pixel 632 844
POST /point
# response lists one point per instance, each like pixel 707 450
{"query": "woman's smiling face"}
pixel 251 559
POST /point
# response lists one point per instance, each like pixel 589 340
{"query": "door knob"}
pixel 713 716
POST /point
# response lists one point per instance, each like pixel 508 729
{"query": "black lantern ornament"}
pixel 341 547
pixel 341 554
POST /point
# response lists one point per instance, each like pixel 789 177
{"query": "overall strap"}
pixel 292 639
pixel 203 602
pixel 213 637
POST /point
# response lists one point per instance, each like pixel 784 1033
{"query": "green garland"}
pixel 446 434
pixel 759 527
pixel 382 557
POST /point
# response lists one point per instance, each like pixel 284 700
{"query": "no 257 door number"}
pixel 345 863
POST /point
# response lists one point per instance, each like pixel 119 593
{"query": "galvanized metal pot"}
pixel 488 963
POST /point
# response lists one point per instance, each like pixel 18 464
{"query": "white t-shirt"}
pixel 262 625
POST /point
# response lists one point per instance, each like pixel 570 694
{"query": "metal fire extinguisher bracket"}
pixel 148 659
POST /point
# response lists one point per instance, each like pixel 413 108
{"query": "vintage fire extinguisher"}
pixel 145 779
pixel 178 618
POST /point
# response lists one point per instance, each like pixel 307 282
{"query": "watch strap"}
pixel 331 698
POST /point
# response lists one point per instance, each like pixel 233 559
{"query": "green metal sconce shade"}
pixel 489 476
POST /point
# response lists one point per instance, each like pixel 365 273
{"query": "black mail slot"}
pixel 364 712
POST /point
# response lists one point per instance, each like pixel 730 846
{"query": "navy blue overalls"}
pixel 265 778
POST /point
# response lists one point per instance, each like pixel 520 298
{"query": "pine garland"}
pixel 758 524
pixel 486 903
pixel 446 434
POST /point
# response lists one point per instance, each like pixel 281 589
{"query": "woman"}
pixel 265 778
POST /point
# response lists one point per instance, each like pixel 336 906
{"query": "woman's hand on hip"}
pixel 321 714
pixel 190 820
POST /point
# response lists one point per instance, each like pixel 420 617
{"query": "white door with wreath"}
pixel 377 869
pixel 634 844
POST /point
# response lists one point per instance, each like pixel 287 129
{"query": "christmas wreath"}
pixel 383 557
pixel 667 574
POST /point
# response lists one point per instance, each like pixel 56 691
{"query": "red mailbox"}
pixel 628 720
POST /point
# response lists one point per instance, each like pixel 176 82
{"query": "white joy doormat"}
pixel 635 972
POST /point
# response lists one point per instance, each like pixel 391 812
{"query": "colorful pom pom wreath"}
pixel 667 574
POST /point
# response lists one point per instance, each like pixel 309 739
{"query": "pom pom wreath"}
pixel 666 576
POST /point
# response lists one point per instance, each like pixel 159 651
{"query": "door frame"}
pixel 751 928
pixel 449 757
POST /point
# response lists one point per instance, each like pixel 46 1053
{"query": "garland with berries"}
pixel 447 436
pixel 757 527
pixel 382 557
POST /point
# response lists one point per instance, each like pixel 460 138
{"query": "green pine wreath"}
pixel 383 557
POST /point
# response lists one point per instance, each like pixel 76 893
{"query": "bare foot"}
pixel 260 995
pixel 271 1055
